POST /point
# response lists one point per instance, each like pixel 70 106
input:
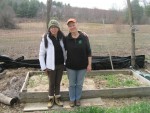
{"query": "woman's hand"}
pixel 46 71
pixel 89 68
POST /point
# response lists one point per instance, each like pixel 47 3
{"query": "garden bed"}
pixel 108 83
pixel 39 82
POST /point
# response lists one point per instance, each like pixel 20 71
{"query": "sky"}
pixel 100 4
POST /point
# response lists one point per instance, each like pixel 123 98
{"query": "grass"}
pixel 142 107
pixel 114 81
pixel 37 80
pixel 101 81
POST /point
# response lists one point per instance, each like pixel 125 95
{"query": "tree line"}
pixel 35 9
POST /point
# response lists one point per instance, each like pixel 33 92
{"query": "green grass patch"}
pixel 114 81
pixel 142 107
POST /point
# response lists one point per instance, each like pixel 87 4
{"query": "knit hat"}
pixel 53 23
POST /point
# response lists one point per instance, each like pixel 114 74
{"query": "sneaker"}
pixel 51 101
pixel 71 103
pixel 58 100
pixel 78 103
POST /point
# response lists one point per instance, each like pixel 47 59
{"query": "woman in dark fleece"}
pixel 78 61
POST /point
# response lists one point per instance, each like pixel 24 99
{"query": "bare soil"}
pixel 39 82
pixel 10 85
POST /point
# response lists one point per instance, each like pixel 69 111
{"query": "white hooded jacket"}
pixel 50 58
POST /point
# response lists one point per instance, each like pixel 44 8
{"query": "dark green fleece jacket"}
pixel 78 51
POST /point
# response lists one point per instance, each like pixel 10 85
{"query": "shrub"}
pixel 7 16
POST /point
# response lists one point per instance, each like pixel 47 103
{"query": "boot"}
pixel 72 103
pixel 58 100
pixel 51 101
pixel 78 103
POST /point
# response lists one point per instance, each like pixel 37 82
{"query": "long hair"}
pixel 60 35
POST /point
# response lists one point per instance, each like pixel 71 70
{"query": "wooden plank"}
pixel 114 92
pixel 126 71
pixel 147 70
pixel 29 107
pixel 40 96
pixel 106 72
pixel 118 92
pixel 23 89
pixel 141 78
pixel 43 106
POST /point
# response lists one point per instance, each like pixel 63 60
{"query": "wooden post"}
pixel 49 4
pixel 132 34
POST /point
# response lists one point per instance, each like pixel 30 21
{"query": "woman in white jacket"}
pixel 52 58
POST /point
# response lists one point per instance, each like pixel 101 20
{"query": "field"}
pixel 104 40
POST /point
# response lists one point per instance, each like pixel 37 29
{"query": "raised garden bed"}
pixel 124 83
pixel 39 82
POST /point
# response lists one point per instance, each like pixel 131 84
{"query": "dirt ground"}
pixel 39 82
pixel 13 80
pixel 10 86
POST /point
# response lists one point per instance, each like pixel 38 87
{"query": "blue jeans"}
pixel 76 79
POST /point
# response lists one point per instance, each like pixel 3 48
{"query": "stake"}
pixel 110 58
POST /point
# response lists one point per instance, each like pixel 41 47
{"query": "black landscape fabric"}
pixel 98 62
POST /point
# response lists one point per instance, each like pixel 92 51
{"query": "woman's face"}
pixel 72 27
pixel 54 30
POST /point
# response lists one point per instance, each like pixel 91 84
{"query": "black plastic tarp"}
pixel 98 62
pixel 103 62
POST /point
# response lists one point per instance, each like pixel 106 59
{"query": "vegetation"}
pixel 137 11
pixel 147 10
pixel 34 8
pixel 7 16
pixel 24 8
pixel 37 80
pixel 115 81
pixel 142 107
pixel 104 81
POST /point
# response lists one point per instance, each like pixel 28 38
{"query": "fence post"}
pixel 132 34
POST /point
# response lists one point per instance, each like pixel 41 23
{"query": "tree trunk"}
pixel 49 5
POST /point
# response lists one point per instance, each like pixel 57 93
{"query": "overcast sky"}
pixel 101 4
